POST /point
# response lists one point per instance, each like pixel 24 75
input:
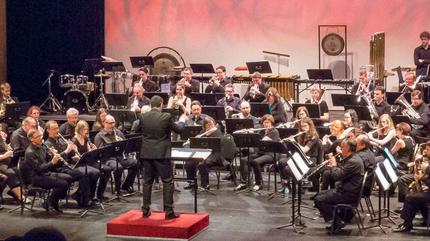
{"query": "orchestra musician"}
pixel 6 98
pixel 217 83
pixel 155 153
pixel 385 134
pixel 67 129
pixel 147 84
pixel 38 169
pixel 34 111
pixel 137 100
pixel 83 144
pixel 316 98
pixel 301 113
pixel 421 125
pixel 348 175
pixel 196 118
pixel 245 113
pixel 180 100
pixel 422 54
pixel 364 85
pixel 381 105
pixel 350 121
pixel 18 139
pixel 257 89
pixel 108 135
pixel 100 117
pixel 330 146
pixel 276 107
pixel 229 101
pixel 190 85
pixel 409 84
pixel 366 154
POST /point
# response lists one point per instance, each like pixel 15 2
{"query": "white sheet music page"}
pixel 178 153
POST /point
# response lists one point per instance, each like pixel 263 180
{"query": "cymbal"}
pixel 179 67
pixel 405 68
pixel 102 75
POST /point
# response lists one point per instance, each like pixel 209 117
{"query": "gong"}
pixel 332 44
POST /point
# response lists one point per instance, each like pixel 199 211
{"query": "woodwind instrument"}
pixel 208 132
pixel 53 151
pixel 417 186
pixel 77 154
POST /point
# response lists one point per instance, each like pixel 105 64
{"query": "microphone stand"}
pixel 51 102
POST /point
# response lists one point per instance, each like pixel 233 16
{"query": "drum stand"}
pixel 101 99
pixel 51 102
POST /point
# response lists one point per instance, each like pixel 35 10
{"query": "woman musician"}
pixel 276 107
pixel 317 94
pixel 180 101
pixel 385 134
pixel 301 113
pixel 260 158
pixel 83 144
pixel 310 144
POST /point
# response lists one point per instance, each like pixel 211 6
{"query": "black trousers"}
pixel 164 169
pixel 415 202
pixel 204 166
pixel 12 178
pixel 325 201
pixel 106 169
pixel 58 182
pixel 258 162
pixel 403 184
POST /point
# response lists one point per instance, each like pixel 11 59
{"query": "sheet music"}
pixel 300 163
pixel 390 157
pixel 391 173
pixel 201 154
pixel 381 178
pixel 294 169
pixel 180 154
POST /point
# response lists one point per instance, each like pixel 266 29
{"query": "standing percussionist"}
pixel 348 176
pixel 422 54
pixel 218 82
pixel 229 101
pixel 257 90
pixel 156 128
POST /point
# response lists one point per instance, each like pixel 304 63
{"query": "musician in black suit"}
pixel 67 129
pixel 137 100
pixel 18 139
pixel 217 83
pixel 420 126
pixel 156 128
pixel 191 85
pixel 381 105
pixel 38 169
pixel 230 102
pixel 364 85
pixel 196 118
pixel 257 90
pixel 147 84
pixel 348 175
pixel 422 54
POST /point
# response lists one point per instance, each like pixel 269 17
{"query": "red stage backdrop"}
pixel 230 33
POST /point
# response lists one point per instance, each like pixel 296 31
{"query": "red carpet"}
pixel 132 224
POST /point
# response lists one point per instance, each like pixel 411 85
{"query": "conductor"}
pixel 156 127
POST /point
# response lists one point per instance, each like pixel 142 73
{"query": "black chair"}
pixel 350 206
pixel 367 191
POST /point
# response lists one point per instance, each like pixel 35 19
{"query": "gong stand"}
pixel 333 44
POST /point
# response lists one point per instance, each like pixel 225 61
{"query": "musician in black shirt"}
pixel 18 139
pixel 257 89
pixel 67 129
pixel 381 106
pixel 147 84
pixel 420 126
pixel 422 54
pixel 217 83
pixel 137 100
pixel 316 98
pixel 230 102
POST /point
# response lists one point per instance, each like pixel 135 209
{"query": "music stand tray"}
pixel 117 99
pixel 16 110
pixel 362 112
pixel 392 96
pixel 400 118
pixel 216 112
pixel 263 67
pixel 213 143
pixel 233 125
pixel 190 131
pixel 92 66
pixel 133 144
pixel 141 61
pixel 313 109
pixel 205 98
pixel 202 68
pixel 287 132
pixel 113 66
pixel 344 99
pixel 123 116
pixel 259 109
pixel 163 95
pixel 319 74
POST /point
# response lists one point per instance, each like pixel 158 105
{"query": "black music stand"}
pixel 263 67
pixel 400 118
pixel 213 143
pixel 92 66
pixel 116 149
pixel 202 69
pixel 363 112
pixel 216 112
pixel 164 96
pixel 123 117
pixel 346 99
pixel 319 74
pixel 233 125
pixel 190 131
pixel 259 109
pixel 141 61
pixel 323 130
pixel 248 141
pixel 15 111
pixel 205 99
pixel 391 97
pixel 287 132
pixel 133 146
pixel 114 99
pixel 313 109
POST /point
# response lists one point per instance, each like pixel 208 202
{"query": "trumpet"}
pixel 53 152
pixel 208 132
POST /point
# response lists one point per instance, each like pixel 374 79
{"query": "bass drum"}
pixel 76 99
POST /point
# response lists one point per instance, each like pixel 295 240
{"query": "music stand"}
pixel 15 111
pixel 164 96
pixel 202 69
pixel 205 98
pixel 133 146
pixel 259 109
pixel 319 74
pixel 233 125
pixel 190 131
pixel 116 150
pixel 313 109
pixel 263 67
pixel 287 132
pixel 323 130
pixel 400 118
pixel 391 97
pixel 216 112
pixel 115 99
pixel 363 112
pixel 123 116
pixel 92 66
pixel 141 61
pixel 345 99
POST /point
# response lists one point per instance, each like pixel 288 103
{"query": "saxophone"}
pixel 6 100
pixel 417 186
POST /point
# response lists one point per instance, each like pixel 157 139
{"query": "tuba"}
pixel 409 110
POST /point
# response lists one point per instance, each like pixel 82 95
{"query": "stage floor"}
pixel 232 217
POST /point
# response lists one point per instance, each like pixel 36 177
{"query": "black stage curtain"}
pixel 50 34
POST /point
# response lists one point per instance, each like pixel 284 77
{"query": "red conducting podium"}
pixel 132 225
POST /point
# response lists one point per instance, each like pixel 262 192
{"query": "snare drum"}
pixel 76 99
pixel 81 79
pixel 67 80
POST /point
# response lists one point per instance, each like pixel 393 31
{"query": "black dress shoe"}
pixel 171 215
pixel 55 206
pixel 128 189
pixel 402 228
pixel 398 210
pixel 146 213
pixel 337 227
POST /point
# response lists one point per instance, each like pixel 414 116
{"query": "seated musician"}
pixel 67 129
pixel 38 169
pixel 137 100
pixel 147 84
pixel 18 139
pixel 210 129
pixel 229 101
pixel 9 175
pixel 180 100
pixel 409 85
pixel 385 134
pixel 419 200
pixel 381 105
pixel 366 154
pixel 190 85
pixel 100 117
pixel 330 146
pixel 257 89
pixel 308 142
pixel 217 83
pixel 301 113
pixel 420 126
pixel 364 85
pixel 350 121
pixel 68 152
pixel 196 118
pixel 276 106
pixel 105 137
pixel 34 111
pixel 316 98
pixel 6 98
pixel 83 144
pixel 245 113
pixel 348 175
